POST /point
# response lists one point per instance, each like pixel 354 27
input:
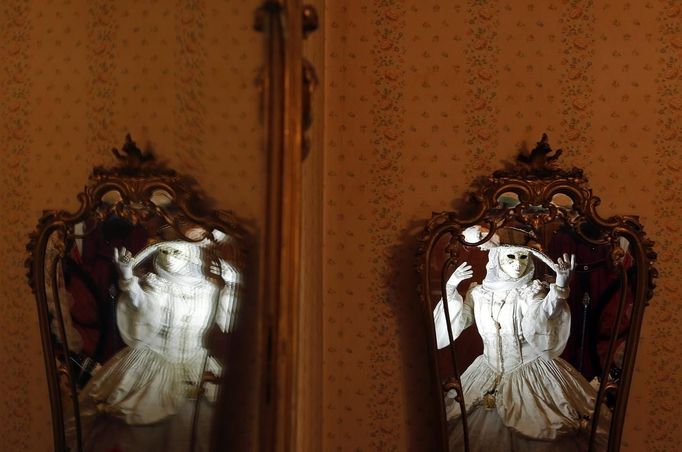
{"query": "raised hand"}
pixel 228 273
pixel 124 262
pixel 461 273
pixel 563 268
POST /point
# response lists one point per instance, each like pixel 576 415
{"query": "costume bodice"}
pixel 185 315
pixel 171 318
pixel 504 349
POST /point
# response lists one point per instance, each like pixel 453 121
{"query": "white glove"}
pixel 229 274
pixel 563 268
pixel 461 273
pixel 124 263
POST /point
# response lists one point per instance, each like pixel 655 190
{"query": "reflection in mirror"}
pixel 519 392
pixel 111 197
pixel 145 376
pixel 562 200
pixel 139 296
pixel 597 290
pixel 534 304
pixel 508 199
pixel 161 198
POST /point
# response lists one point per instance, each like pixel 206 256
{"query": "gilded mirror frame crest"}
pixel 137 179
pixel 535 180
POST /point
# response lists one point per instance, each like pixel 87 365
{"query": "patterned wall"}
pixel 77 75
pixel 423 97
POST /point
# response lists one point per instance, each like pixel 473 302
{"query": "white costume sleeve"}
pixel 228 298
pixel 132 309
pixel 546 322
pixel 131 292
pixel 461 315
pixel 227 307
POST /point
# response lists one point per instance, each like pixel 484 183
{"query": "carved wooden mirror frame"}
pixel 136 180
pixel 535 180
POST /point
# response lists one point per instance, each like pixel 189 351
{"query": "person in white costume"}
pixel 519 395
pixel 144 397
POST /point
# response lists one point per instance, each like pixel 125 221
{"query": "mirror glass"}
pixel 142 304
pixel 539 315
pixel 111 197
pixel 508 199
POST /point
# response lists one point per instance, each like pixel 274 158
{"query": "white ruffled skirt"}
pixel 106 433
pixel 140 400
pixel 542 405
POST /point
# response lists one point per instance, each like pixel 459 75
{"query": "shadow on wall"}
pixel 402 297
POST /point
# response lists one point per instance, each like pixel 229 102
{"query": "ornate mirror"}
pixel 140 297
pixel 534 304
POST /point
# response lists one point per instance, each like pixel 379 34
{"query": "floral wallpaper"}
pixel 423 98
pixel 77 75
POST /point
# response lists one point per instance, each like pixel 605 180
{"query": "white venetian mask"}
pixel 514 262
pixel 172 259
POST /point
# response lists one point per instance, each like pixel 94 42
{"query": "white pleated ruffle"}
pixel 544 399
pixel 140 386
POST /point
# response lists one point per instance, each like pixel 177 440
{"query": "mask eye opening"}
pixel 511 256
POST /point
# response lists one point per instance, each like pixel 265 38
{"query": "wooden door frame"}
pixel 293 384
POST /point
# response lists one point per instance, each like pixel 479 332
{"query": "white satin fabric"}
pixel 107 434
pixel 163 323
pixel 540 399
pixel 153 382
